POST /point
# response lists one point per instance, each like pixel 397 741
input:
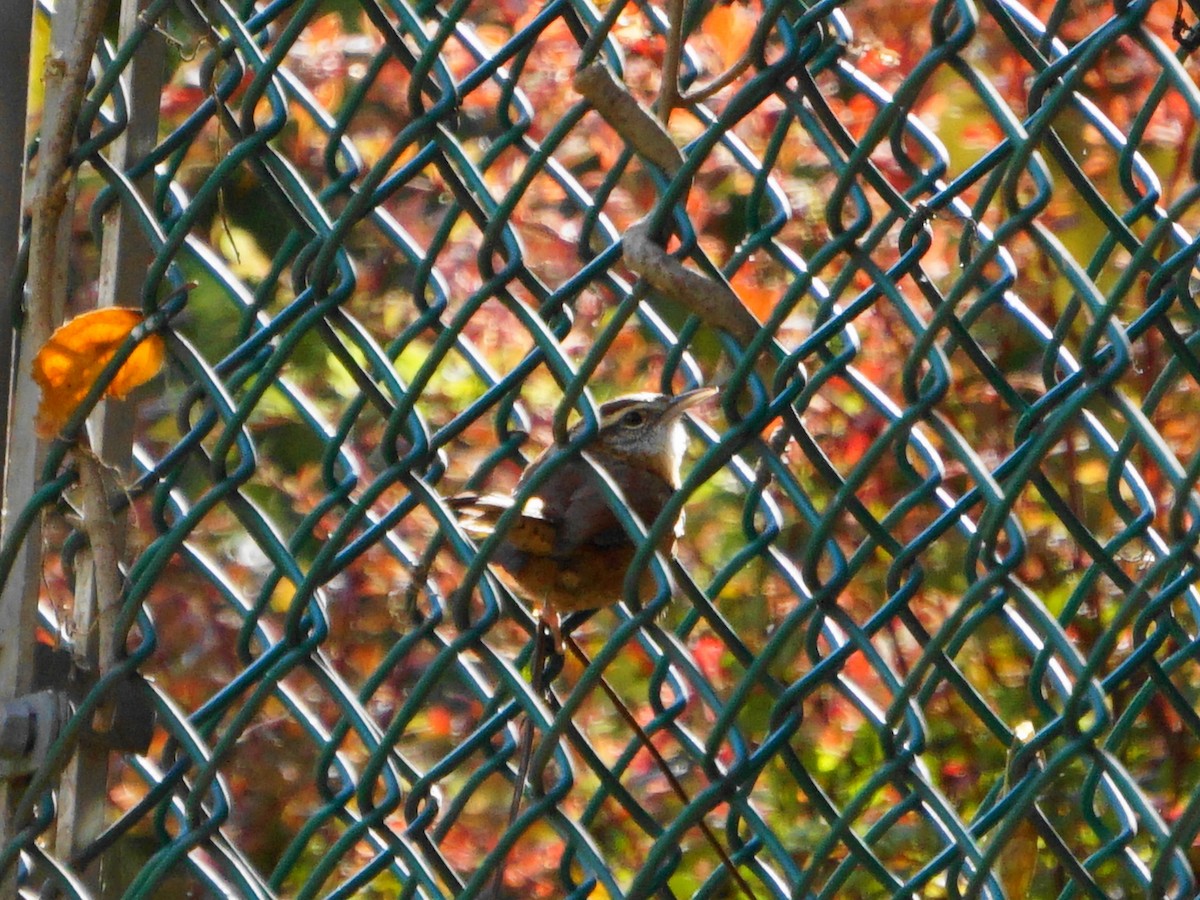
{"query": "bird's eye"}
pixel 634 419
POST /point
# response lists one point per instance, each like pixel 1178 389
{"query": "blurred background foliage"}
pixel 971 226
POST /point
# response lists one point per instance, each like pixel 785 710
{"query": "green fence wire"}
pixel 934 625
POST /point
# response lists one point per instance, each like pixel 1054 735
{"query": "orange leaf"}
pixel 730 29
pixel 441 721
pixel 760 299
pixel 68 365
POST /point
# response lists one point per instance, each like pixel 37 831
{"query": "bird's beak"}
pixel 688 399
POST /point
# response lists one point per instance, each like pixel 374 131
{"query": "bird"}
pixel 567 551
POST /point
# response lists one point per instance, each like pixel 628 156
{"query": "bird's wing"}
pixel 570 509
pixel 582 510
pixel 529 533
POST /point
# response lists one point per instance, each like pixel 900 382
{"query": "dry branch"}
pixel 104 538
pixel 713 301
pixel 65 76
pixel 627 117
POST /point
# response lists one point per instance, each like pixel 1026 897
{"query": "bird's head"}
pixel 647 428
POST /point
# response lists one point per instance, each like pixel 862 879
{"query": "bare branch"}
pixel 713 301
pixel 104 538
pixel 632 121
pixel 669 92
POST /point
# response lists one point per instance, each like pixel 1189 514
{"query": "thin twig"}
pixel 705 91
pixel 754 50
pixel 537 677
pixel 669 90
pixel 628 717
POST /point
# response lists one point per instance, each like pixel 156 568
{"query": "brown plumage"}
pixel 568 550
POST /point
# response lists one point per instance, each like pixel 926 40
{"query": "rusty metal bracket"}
pixel 132 721
pixel 28 726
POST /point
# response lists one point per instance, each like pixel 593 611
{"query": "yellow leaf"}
pixel 1091 472
pixel 38 49
pixel 68 365
pixel 281 597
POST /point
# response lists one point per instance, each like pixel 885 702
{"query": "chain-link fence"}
pixel 933 628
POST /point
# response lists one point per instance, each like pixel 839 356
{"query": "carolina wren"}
pixel 567 550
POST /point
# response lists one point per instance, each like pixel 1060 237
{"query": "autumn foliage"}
pixel 965 572
pixel 68 366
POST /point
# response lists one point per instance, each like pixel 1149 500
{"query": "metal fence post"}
pixel 16 20
pixel 18 598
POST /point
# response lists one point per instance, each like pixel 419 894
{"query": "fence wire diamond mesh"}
pixel 934 626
